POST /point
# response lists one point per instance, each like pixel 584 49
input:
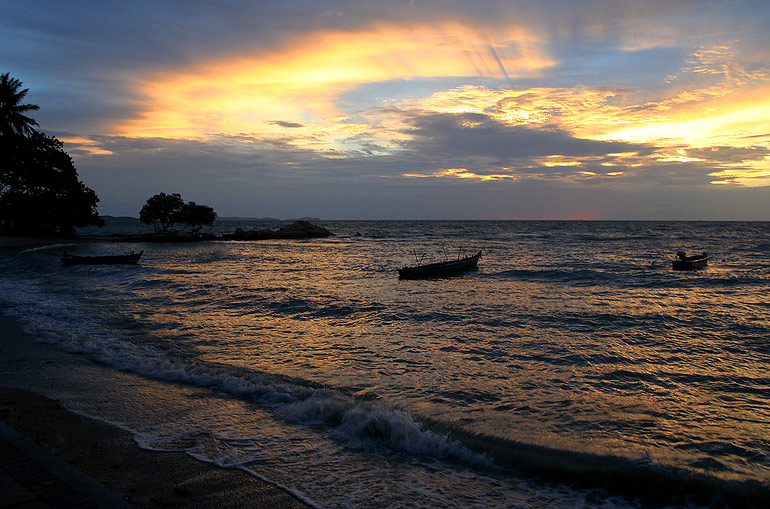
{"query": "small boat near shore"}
pixel 694 262
pixel 131 258
pixel 440 268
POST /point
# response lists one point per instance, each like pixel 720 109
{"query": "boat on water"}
pixel 131 258
pixel 440 268
pixel 694 262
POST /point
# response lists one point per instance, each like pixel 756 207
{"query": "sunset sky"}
pixel 540 109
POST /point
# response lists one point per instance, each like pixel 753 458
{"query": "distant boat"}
pixel 440 268
pixel 132 258
pixel 694 262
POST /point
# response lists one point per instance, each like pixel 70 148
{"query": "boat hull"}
pixel 440 268
pixel 129 259
pixel 690 263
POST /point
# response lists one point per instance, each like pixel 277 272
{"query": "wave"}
pixel 368 424
pixel 379 236
pixel 47 246
pixel 358 423
pixel 549 274
pixel 573 276
pixel 657 276
pixel 297 307
pixel 640 478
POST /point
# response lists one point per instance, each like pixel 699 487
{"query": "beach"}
pixel 109 455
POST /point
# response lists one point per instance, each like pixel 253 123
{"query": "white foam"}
pixel 372 424
pixel 48 246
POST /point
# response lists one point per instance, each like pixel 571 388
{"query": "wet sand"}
pixel 142 478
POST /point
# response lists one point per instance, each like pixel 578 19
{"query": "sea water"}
pixel 574 367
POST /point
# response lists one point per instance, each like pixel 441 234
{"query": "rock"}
pixel 296 230
pixel 301 230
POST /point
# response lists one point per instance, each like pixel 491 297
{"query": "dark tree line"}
pixel 40 191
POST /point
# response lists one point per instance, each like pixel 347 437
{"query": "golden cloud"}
pixel 732 111
pixel 301 82
pixel 82 144
pixel 460 173
pixel 293 94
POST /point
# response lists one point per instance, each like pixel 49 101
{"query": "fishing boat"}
pixel 440 268
pixel 131 258
pixel 694 262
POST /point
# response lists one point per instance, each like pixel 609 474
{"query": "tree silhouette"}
pixel 196 216
pixel 161 211
pixel 40 192
pixel 164 211
pixel 12 117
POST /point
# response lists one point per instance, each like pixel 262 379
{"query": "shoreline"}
pixel 298 230
pixel 109 455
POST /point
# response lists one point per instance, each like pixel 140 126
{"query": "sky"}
pixel 542 109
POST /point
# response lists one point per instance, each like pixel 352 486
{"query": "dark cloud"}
pixel 250 176
pixel 283 123
pixel 730 154
pixel 453 138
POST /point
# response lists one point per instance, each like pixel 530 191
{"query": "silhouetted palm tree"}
pixel 12 117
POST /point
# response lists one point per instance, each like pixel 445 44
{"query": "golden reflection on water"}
pixel 582 364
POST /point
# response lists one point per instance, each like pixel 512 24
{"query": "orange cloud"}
pixel 293 94
pixel 730 118
pixel 86 145
pixel 302 82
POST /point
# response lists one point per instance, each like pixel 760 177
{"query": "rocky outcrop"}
pixel 296 230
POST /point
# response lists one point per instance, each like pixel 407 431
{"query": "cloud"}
pixel 729 155
pixel 305 77
pixel 478 136
pixel 615 105
pixel 284 123
pixel 243 176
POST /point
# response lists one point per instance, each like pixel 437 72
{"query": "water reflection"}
pixel 576 336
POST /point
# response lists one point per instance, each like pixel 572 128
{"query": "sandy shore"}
pixel 111 457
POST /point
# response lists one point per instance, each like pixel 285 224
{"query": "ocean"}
pixel 573 368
